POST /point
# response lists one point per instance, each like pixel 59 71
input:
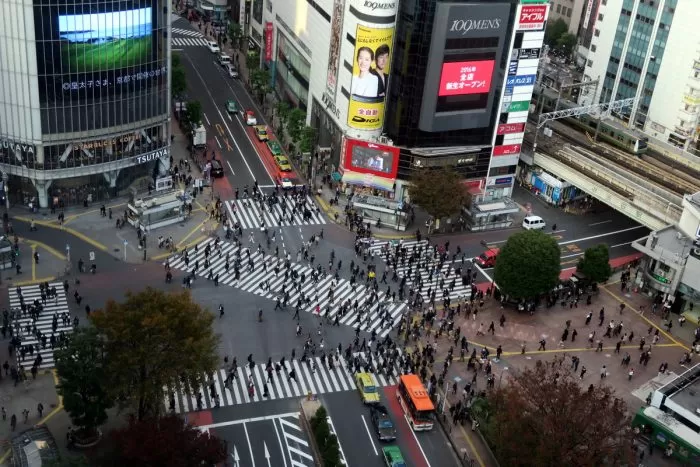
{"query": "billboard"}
pixel 334 49
pixel 371 158
pixel 532 17
pixel 104 41
pixel 460 78
pixel 269 28
pixel 506 150
pixel 370 77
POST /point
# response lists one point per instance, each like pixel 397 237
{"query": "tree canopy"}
pixel 235 33
pixel 152 340
pixel 178 83
pixel 82 379
pixel 439 191
pixel 542 417
pixel 554 31
pixel 595 263
pixel 163 442
pixel 529 264
pixel 194 112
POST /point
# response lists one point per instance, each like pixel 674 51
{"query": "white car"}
pixel 224 60
pixel 250 118
pixel 213 47
pixel 232 72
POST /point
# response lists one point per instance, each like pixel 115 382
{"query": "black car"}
pixel 383 425
pixel 217 170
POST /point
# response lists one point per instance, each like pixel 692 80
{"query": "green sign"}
pixel 661 279
pixel 520 106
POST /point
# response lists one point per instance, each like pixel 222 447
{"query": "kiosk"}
pixel 154 211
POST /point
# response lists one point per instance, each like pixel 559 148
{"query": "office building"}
pixel 649 50
pixel 75 124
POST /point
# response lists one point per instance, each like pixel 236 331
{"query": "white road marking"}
pixel 217 142
pixel 364 422
pixel 279 440
pixel 622 244
pixel 602 235
pixel 250 447
pixel 599 223
pixel 229 166
pixel 206 118
pixel 571 256
pixel 419 446
pixel 249 420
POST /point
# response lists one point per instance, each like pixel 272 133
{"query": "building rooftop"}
pixel 671 243
pixel 695 199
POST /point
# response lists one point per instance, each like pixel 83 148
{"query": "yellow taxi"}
pixel 261 132
pixel 368 391
pixel 283 164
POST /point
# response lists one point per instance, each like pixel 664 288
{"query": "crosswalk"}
pixel 252 282
pixel 187 32
pixel 58 305
pixel 189 42
pixel 317 380
pixel 445 276
pixel 250 216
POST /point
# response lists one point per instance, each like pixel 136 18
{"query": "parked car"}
pixel 232 72
pixel 283 163
pixel 224 60
pixel 250 118
pixel 217 170
pixel 274 147
pixel 261 132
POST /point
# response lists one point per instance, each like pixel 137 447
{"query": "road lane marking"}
pixel 571 256
pixel 250 447
pixel 364 422
pixel 229 166
pixel 622 244
pixel 279 440
pixel 217 141
pixel 602 235
pixel 206 118
pixel 220 129
pixel 228 145
pixel 249 420
pixel 599 223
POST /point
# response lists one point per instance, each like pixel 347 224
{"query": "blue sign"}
pixel 509 91
pixel 503 181
pixel 527 80
pixel 513 68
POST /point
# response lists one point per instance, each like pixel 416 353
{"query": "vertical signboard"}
pixel 334 49
pixel 532 17
pixel 268 40
pixel 370 77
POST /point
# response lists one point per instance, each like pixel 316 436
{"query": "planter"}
pixel 84 441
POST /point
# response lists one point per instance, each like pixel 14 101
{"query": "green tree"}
pixel 308 137
pixel 439 191
pixel 178 84
pixel 153 340
pixel 554 31
pixel 260 82
pixel 235 33
pixel 595 263
pixel 566 43
pixel 528 265
pixel 545 417
pixel 194 112
pixel 296 121
pixel 163 442
pixel 82 380
pixel 252 61
pixel 282 109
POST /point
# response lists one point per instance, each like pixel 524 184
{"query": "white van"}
pixel 533 223
pixel 224 60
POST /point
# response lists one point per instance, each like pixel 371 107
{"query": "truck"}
pixel 199 136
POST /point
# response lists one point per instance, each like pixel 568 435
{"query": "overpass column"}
pixel 42 190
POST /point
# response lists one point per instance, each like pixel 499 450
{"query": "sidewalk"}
pixel 521 329
pixel 90 226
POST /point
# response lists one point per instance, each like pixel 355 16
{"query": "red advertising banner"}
pixel 532 17
pixel 508 128
pixel 460 78
pixel 506 150
pixel 371 158
pixel 268 41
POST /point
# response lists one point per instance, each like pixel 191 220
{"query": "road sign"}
pixel 92 256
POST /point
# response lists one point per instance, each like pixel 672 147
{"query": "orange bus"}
pixel 415 402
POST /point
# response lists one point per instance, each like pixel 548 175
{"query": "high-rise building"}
pixel 572 12
pixel 396 86
pixel 649 50
pixel 84 98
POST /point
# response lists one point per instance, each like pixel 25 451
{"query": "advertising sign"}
pixel 508 128
pixel 519 106
pixel 528 53
pixel 502 181
pixel 268 41
pixel 460 78
pixel 506 150
pixel 513 68
pixel 334 50
pixel 532 17
pixel 378 8
pixel 370 77
pixel 527 80
pixel 371 158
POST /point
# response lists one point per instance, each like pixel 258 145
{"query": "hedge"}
pixel 326 441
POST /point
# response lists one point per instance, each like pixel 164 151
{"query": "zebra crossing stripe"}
pixel 187 32
pixel 250 216
pixel 319 292
pixel 321 380
pixel 44 323
pixel 460 291
pixel 184 41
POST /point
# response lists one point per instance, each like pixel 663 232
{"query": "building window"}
pixel 593 48
pixel 596 33
pixel 600 16
pixel 558 8
pixel 589 63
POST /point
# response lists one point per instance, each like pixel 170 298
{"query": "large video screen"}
pixel 105 41
pixel 368 157
pixel 461 78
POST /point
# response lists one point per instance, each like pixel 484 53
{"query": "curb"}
pixel 312 440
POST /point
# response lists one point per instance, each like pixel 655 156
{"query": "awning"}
pixel 336 177
pixel 498 212
pixel 491 206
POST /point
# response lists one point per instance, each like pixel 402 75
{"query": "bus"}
pixel 415 403
pixel 666 432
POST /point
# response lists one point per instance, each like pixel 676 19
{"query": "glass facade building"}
pixel 96 117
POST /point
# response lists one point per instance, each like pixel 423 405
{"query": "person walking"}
pixel 13 422
pixel 25 412
pixel 221 311
pixel 40 409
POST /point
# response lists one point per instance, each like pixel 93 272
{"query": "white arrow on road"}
pixel 236 458
pixel 267 454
